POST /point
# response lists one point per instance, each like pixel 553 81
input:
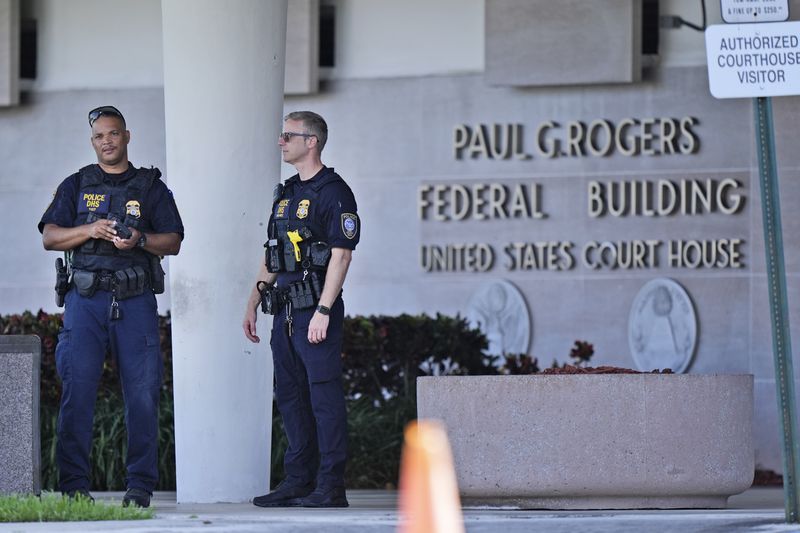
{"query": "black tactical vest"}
pixel 295 215
pixel 99 197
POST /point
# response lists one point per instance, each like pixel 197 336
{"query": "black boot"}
pixel 78 493
pixel 286 494
pixel 326 497
pixel 137 497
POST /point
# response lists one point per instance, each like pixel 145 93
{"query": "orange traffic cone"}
pixel 428 500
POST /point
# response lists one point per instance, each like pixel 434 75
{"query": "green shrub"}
pixel 382 358
pixel 375 441
pixel 384 355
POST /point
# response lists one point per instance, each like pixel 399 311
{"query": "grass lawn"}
pixel 52 507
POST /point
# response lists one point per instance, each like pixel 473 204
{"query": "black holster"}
pixel 62 282
pixel 156 275
pixel 272 298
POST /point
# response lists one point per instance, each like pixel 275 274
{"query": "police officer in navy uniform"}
pixel 114 221
pixel 312 232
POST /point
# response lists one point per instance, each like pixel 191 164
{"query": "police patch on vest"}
pixel 302 208
pixel 349 225
pixel 93 202
pixel 132 209
pixel 281 211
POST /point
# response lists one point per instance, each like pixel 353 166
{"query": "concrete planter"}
pixel 608 441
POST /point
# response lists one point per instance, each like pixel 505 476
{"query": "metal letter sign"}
pixel 752 60
pixel 738 11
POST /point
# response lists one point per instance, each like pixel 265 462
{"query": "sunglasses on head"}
pixel 98 112
pixel 287 135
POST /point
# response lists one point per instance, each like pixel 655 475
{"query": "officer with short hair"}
pixel 114 221
pixel 312 232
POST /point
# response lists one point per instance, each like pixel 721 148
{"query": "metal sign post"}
pixel 778 303
pixel 751 60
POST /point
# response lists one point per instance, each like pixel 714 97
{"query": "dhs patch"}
pixel 280 212
pixel 91 201
pixel 349 225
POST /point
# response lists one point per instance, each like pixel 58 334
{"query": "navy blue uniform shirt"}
pixel 159 214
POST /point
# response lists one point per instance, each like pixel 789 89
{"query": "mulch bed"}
pixel 570 369
pixel 767 478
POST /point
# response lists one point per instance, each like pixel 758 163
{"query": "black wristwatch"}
pixel 142 242
pixel 323 310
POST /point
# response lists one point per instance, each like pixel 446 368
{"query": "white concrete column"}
pixel 223 99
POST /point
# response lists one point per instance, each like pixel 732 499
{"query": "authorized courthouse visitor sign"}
pixel 752 60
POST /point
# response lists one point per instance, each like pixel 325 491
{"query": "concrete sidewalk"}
pixel 758 510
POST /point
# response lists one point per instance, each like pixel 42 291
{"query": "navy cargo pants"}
pixel 80 354
pixel 310 398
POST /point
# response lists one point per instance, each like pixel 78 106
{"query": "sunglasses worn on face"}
pixel 98 112
pixel 287 135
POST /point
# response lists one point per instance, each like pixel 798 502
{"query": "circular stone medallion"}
pixel 498 309
pixel 662 327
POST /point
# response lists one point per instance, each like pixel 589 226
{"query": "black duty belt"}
pixel 124 284
pixel 301 294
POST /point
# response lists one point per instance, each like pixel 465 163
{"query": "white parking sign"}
pixel 751 60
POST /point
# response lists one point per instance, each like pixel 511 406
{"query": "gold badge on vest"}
pixel 302 208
